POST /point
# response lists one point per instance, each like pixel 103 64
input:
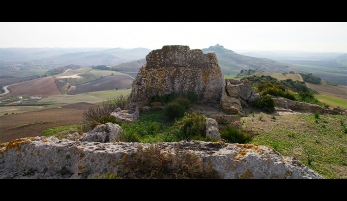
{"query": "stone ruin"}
pixel 177 69
pixel 172 69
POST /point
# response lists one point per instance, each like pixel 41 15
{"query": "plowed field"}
pixel 31 124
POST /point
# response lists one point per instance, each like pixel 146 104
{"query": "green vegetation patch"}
pixel 311 78
pixel 331 100
pixel 61 131
pixel 36 122
pixel 318 142
pixel 229 76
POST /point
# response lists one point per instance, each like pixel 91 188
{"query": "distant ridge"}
pixel 217 48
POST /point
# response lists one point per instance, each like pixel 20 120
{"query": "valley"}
pixel 32 86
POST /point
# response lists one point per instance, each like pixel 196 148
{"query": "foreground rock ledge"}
pixel 51 158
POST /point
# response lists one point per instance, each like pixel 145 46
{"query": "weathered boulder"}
pixel 225 118
pixel 297 106
pixel 51 158
pixel 212 129
pixel 129 115
pixel 237 94
pixel 107 132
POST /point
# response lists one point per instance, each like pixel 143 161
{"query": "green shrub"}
pixel 166 98
pixel 185 102
pixel 174 110
pixel 120 101
pixel 191 127
pixel 191 96
pixel 275 90
pixel 233 135
pixel 96 113
pixel 265 103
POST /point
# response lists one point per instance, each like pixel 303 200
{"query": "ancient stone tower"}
pixel 177 69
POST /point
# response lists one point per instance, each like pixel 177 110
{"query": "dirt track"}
pixel 66 115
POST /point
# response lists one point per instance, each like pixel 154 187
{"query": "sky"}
pixel 257 36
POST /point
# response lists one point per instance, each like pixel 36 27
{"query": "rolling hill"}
pixel 44 86
pixel 67 56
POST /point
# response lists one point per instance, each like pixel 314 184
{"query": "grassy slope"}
pixel 320 143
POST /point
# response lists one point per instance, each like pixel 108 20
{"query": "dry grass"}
pixel 318 141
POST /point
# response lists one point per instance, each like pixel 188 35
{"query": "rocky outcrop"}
pixel 297 106
pixel 129 115
pixel 51 158
pixel 107 132
pixel 237 94
pixel 212 129
pixel 291 106
pixel 177 69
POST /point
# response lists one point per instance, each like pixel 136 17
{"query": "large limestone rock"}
pixel 51 158
pixel 177 69
pixel 297 106
pixel 107 132
pixel 237 94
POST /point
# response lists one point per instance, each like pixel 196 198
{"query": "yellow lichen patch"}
pixel 3 144
pixel 232 168
pixel 219 143
pixel 288 173
pixel 242 152
pixel 236 158
pixel 125 157
pixel 16 143
pixel 160 75
pixel 205 75
pixel 247 175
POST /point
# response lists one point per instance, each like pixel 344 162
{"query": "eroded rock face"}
pixel 50 158
pixel 237 94
pixel 212 129
pixel 297 106
pixel 177 69
pixel 130 115
pixel 107 132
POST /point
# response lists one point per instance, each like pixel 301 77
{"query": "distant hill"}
pixel 328 66
pixel 216 49
pixel 105 57
pixel 232 63
pixel 131 68
pixel 67 56
pixel 342 59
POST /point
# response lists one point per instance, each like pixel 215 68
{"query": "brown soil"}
pixel 44 86
pixel 31 124
pixel 339 90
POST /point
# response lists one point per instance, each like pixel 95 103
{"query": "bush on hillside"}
pixel 232 134
pixel 101 113
pixel 265 103
pixel 191 127
pixel 311 78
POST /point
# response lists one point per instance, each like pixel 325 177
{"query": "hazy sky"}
pixel 299 36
